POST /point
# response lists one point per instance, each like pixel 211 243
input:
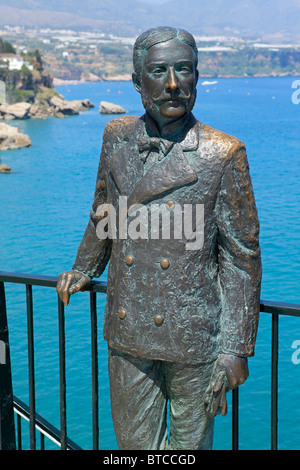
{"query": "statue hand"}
pixel 69 283
pixel 229 372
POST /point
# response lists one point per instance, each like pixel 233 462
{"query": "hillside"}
pixel 82 56
pixel 268 19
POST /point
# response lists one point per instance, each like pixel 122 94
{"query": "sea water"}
pixel 45 204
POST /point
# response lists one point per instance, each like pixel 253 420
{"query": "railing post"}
pixel 7 424
pixel 94 348
pixel 235 419
pixel 62 375
pixel 19 430
pixel 31 374
pixel 274 383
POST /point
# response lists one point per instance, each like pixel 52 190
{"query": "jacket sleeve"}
pixel 93 253
pixel 239 256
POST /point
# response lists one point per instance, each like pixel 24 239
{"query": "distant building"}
pixel 14 62
pixel 216 49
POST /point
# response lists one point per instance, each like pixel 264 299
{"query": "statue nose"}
pixel 172 82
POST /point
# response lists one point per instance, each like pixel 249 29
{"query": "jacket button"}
pixel 170 205
pixel 129 260
pixel 158 320
pixel 122 314
pixel 165 263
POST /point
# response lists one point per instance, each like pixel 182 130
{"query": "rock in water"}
pixel 11 138
pixel 62 107
pixel 15 111
pixel 111 108
pixel 5 168
pixel 81 105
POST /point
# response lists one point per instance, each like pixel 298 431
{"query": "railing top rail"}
pixel 281 308
pixel 268 306
pixel 47 281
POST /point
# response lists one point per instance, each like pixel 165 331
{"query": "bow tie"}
pixel 148 144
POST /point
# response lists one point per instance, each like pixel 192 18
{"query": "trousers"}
pixel 140 390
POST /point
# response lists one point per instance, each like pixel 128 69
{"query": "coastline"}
pixel 112 78
pixel 127 78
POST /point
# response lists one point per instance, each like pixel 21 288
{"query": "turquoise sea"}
pixel 44 208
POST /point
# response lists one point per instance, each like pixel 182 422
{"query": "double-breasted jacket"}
pixel 169 298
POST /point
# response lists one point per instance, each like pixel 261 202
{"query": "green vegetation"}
pixel 24 84
pixel 249 62
pixel 44 96
pixel 6 47
pixel 35 59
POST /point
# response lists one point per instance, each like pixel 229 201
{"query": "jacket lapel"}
pixel 172 172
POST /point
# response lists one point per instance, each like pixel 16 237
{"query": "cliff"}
pixel 30 93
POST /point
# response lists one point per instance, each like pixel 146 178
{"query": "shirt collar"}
pixel 187 137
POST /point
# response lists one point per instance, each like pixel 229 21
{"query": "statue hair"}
pixel 154 36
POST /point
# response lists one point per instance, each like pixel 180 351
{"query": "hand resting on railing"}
pixel 69 283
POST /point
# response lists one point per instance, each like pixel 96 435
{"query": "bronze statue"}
pixel 182 310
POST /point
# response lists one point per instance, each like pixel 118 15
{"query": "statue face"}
pixel 168 81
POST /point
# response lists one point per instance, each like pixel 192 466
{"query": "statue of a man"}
pixel 182 309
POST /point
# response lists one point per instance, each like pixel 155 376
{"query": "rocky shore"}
pixel 11 138
pixel 41 109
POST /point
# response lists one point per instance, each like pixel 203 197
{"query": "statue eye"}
pixel 158 71
pixel 185 69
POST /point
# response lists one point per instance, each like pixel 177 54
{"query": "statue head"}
pixel 165 72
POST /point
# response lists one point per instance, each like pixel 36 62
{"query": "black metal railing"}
pixel 36 422
pixel 30 412
pixel 45 428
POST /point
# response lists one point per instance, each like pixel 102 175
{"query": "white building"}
pixel 15 62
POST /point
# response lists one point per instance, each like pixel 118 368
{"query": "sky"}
pixel 153 1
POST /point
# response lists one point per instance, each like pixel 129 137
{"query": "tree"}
pixel 36 59
pixel 6 47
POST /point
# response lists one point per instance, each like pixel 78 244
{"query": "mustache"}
pixel 168 97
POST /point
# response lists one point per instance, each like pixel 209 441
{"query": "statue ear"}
pixel 136 82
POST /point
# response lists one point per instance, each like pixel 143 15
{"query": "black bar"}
pixel 30 337
pixel 95 389
pixel 19 427
pixel 42 437
pixel 62 375
pixel 7 421
pixel 235 419
pixel 274 383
